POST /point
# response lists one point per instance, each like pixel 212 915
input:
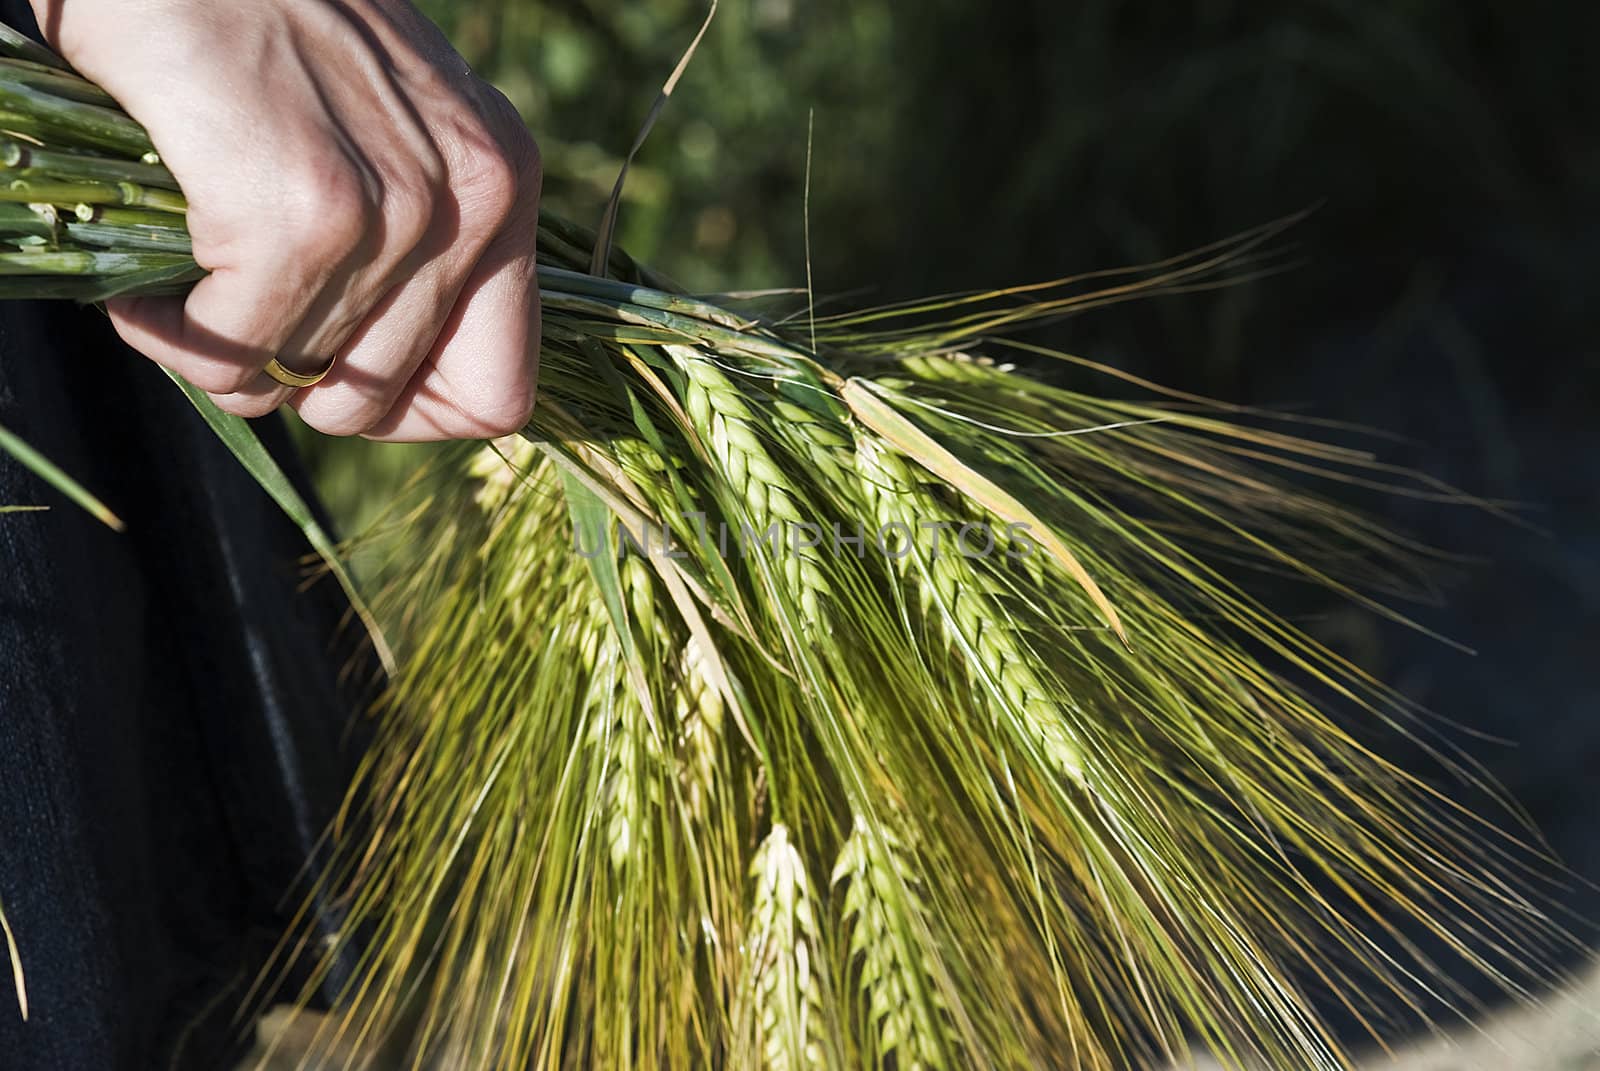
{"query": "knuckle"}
pixel 342 192
pixel 411 201
pixel 493 189
pixel 522 151
pixel 531 161
pixel 330 209
pixel 488 182
pixel 504 116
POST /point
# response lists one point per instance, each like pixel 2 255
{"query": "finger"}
pixel 397 248
pixel 221 336
pixel 369 364
pixel 489 219
pixel 481 377
pixel 385 352
pixel 300 290
pixel 257 299
pixel 395 239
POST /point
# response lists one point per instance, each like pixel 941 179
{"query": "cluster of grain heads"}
pixel 742 609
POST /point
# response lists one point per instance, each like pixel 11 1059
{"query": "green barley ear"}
pixel 721 415
pixel 967 606
pixel 701 716
pixel 1088 808
pixel 784 950
pixel 890 935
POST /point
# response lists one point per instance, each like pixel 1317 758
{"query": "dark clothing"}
pixel 175 713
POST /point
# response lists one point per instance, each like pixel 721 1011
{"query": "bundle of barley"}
pixel 828 694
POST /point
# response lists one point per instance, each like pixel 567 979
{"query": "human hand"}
pixel 354 191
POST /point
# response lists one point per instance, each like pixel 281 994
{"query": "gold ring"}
pixel 290 378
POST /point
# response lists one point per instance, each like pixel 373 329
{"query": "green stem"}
pixel 133 239
pixel 137 196
pixel 49 191
pixel 129 217
pixel 23 47
pixel 21 221
pixel 71 123
pixel 86 264
pixel 70 167
pixel 53 80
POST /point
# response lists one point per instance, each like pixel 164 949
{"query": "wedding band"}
pixel 289 378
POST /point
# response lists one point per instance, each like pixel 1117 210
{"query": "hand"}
pixel 354 191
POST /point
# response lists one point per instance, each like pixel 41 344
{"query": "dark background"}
pixel 1441 289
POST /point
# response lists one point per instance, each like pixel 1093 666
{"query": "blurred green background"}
pixel 1442 289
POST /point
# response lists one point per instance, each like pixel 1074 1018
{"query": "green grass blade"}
pixel 160 279
pixel 591 519
pixel 240 438
pixel 53 475
pixel 608 222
